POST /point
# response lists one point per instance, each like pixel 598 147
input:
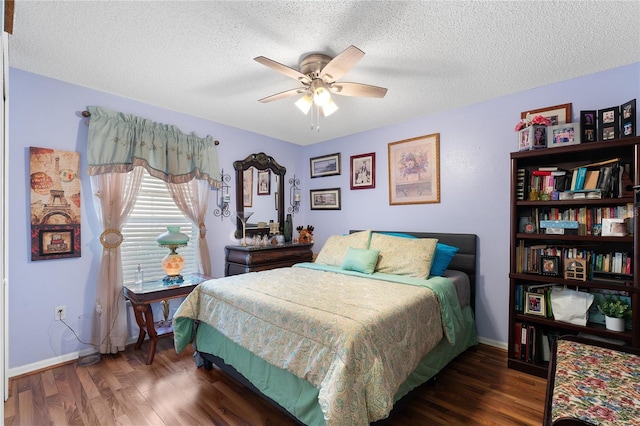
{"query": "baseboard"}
pixel 494 343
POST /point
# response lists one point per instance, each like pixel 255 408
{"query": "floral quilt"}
pixel 355 338
pixel 597 385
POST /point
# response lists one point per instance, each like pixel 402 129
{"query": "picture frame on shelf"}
pixel 563 135
pixel 589 126
pixel 558 114
pixel 550 266
pixel 576 269
pixel 325 165
pixel 535 304
pixel 628 119
pixel 363 171
pixel 609 123
pixel 414 170
pixel 325 199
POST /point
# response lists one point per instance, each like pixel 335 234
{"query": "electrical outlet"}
pixel 61 313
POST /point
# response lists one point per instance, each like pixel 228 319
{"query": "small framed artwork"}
pixel 535 304
pixel 558 114
pixel 363 171
pixel 563 135
pixel 55 242
pixel 628 119
pixel 326 165
pixel 414 170
pixel 609 124
pixel 550 265
pixel 576 269
pixel 264 182
pixel 325 199
pixel 588 126
pixel 247 187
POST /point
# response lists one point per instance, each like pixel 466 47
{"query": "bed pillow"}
pixel 442 259
pixel 360 260
pixel 334 250
pixel 404 256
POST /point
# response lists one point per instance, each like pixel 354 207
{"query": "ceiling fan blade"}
pixel 285 94
pixel 341 64
pixel 283 69
pixel 358 89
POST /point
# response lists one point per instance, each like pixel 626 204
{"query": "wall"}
pixel 475 142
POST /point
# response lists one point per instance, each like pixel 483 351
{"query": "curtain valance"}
pixel 118 142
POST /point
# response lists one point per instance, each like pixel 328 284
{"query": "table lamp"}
pixel 172 263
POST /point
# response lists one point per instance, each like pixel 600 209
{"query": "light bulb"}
pixel 321 96
pixel 304 104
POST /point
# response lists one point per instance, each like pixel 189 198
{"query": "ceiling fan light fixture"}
pixel 328 109
pixel 304 104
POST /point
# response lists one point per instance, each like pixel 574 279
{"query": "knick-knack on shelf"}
pixel 288 229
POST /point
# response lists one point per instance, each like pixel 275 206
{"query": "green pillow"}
pixel 360 260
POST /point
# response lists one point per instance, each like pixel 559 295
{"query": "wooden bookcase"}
pixel 521 242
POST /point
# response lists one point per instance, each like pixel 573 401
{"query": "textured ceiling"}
pixel 197 57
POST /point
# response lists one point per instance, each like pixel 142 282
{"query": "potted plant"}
pixel 615 311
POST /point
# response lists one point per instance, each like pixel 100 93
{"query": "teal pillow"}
pixel 398 234
pixel 360 260
pixel 442 258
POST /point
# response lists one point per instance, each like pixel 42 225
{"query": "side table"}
pixel 143 295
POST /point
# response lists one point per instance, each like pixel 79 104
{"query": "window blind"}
pixel 153 212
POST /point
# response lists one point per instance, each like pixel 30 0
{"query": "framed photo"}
pixel 609 123
pixel 628 119
pixel 535 304
pixel 264 182
pixel 588 126
pixel 327 165
pixel 525 140
pixel 563 135
pixel 363 171
pixel 558 114
pixel 325 199
pixel 247 187
pixel 55 242
pixel 414 170
pixel 550 265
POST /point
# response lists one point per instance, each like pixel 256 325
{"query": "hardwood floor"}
pixel 475 389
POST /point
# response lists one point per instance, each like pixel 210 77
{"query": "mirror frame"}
pixel 260 161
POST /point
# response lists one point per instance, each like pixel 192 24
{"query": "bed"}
pixel 342 339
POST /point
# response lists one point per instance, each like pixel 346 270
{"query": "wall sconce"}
pixel 223 197
pixel 294 195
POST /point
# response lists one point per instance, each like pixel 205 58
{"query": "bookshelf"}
pixel 572 228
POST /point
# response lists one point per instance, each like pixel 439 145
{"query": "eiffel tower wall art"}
pixel 55 203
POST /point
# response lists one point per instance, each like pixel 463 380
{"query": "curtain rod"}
pixel 88 114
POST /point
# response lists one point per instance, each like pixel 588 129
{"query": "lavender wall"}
pixel 475 142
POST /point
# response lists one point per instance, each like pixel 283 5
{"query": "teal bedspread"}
pixel 330 337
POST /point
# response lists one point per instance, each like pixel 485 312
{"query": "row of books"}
pixel 528 259
pixel 586 217
pixel 533 343
pixel 608 179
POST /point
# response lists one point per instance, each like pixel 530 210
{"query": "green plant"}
pixel 614 308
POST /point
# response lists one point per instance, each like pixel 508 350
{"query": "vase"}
pixel 288 229
pixel 614 324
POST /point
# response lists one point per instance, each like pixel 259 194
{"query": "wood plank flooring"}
pixel 475 389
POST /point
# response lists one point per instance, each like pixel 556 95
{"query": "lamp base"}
pixel 173 279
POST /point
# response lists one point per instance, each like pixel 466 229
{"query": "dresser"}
pixel 243 259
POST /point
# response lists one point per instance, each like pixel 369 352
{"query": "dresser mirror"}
pixel 266 202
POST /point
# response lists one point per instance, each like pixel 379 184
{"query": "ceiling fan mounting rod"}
pixel 313 64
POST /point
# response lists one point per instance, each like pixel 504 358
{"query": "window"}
pixel 154 210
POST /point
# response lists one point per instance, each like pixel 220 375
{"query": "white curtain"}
pixel 115 195
pixel 192 199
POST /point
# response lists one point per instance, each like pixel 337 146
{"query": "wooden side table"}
pixel 143 295
pixel 243 259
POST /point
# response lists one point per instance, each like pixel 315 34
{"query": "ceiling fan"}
pixel 319 75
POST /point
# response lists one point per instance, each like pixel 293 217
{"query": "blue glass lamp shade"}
pixel 172 263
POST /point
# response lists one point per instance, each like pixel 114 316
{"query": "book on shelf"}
pixel 517 340
pixel 581 174
pixel 591 179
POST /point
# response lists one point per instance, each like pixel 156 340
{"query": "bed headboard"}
pixel 465 260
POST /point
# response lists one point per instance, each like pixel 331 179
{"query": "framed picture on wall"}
pixel 414 170
pixel 326 165
pixel 325 199
pixel 363 171
pixel 247 187
pixel 264 182
pixel 558 114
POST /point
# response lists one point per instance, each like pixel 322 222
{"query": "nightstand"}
pixel 243 259
pixel 143 295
